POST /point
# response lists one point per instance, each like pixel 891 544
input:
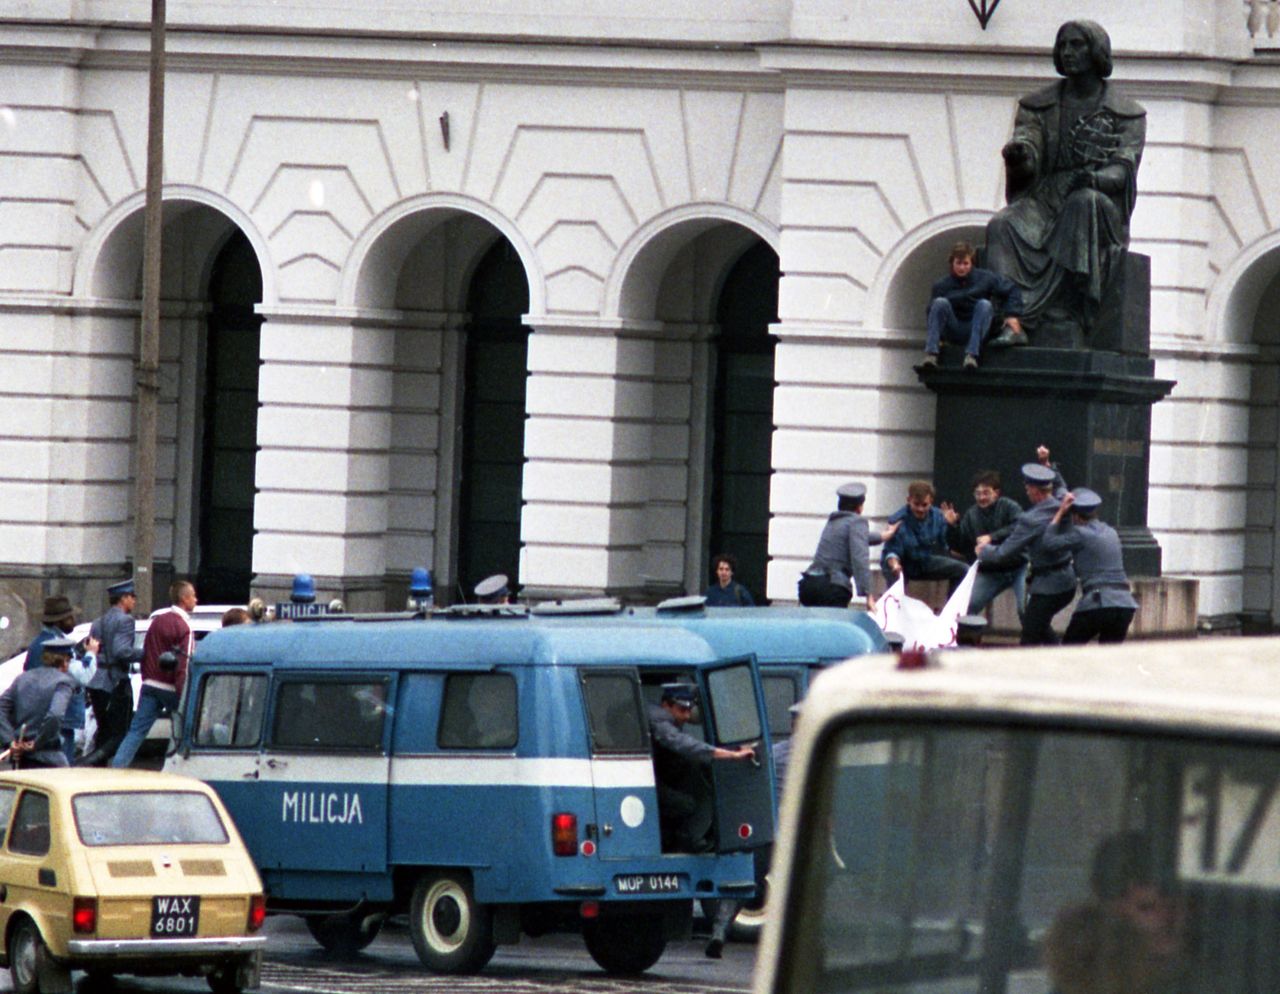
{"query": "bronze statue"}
pixel 1071 182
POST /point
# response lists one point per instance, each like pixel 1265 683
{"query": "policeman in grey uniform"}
pixel 31 709
pixel 1106 606
pixel 685 802
pixel 110 690
pixel 842 558
pixel 1053 581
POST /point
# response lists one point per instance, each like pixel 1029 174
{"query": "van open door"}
pixel 734 716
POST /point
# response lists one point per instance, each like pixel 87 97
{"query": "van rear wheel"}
pixel 625 945
pixel 344 934
pixel 451 932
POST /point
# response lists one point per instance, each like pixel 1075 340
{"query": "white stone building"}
pixel 492 284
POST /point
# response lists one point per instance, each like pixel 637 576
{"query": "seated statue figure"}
pixel 1071 182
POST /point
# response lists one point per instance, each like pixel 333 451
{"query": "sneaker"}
pixel 971 362
pixel 1007 338
pixel 930 360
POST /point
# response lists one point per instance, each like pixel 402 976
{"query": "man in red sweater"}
pixel 170 631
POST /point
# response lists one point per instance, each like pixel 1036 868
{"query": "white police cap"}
pixel 492 588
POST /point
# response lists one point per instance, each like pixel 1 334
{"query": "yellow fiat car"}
pixel 124 871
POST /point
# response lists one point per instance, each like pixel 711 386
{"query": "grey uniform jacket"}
pixel 1099 563
pixel 844 551
pixel 665 732
pixel 115 630
pixel 36 695
pixel 1051 571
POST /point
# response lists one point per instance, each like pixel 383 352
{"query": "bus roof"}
pixel 459 643
pixel 1219 685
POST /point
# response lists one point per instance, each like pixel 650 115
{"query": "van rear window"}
pixel 614 713
pixel 479 712
pixel 153 817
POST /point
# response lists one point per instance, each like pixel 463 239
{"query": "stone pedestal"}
pixel 1092 409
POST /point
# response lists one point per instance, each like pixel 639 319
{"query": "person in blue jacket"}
pixel 726 591
pixel 962 306
pixel 918 550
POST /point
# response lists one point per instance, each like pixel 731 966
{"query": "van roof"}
pixel 463 643
pixel 1207 685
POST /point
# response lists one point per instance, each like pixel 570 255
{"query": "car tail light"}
pixel 257 912
pixel 84 915
pixel 564 834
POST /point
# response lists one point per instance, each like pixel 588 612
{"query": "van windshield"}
pixel 139 818
pixel 973 858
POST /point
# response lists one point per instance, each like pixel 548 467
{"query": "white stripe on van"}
pixel 420 771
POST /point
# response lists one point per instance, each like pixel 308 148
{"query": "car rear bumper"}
pixel 90 948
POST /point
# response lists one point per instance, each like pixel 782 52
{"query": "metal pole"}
pixel 148 369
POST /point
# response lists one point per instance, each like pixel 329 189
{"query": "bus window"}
pixel 479 712
pixel 231 710
pixel 614 716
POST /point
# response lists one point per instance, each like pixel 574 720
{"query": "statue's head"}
pixel 1099 46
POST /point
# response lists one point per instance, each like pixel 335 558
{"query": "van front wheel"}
pixel 451 932
pixel 625 945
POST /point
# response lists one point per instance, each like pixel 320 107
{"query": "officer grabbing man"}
pixel 32 709
pixel 110 690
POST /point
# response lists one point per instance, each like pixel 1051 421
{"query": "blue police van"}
pixel 488 773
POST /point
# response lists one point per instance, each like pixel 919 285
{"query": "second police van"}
pixel 488 773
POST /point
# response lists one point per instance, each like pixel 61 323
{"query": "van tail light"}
pixel 257 912
pixel 564 834
pixel 84 915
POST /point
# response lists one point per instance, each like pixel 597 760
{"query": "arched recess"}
pixel 211 283
pixel 708 275
pixel 1244 315
pixel 453 289
pixel 898 294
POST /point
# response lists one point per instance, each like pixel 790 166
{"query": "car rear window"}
pixel 139 818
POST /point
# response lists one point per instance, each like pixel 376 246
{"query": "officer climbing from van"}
pixel 685 797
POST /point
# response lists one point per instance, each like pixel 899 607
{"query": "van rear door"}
pixel 621 764
pixel 734 715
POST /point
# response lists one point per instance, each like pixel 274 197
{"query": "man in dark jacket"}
pixel 1053 581
pixel 991 519
pixel 961 307
pixel 919 549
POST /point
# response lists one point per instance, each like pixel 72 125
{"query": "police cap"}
pixel 1037 475
pixel 492 589
pixel 680 693
pixel 58 647
pixel 121 589
pixel 1086 501
pixel 852 491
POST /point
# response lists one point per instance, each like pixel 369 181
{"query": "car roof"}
pixel 79 780
pixel 1206 685
pixel 460 643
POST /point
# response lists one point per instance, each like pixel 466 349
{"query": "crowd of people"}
pixel 1042 554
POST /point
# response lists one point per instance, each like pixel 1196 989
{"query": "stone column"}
pixel 323 470
pixel 587 445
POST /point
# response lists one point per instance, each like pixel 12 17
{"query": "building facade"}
pixel 578 292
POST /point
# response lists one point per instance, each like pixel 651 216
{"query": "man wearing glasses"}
pixel 990 519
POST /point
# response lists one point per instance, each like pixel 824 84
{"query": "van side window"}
pixel 479 712
pixel 779 694
pixel 231 710
pixel 330 714
pixel 31 826
pixel 613 713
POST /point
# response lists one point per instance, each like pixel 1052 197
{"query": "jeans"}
pixel 944 326
pixel 152 703
pixel 987 586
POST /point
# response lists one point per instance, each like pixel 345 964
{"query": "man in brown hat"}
pixel 58 619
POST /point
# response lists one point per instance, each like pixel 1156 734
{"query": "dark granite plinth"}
pixel 1092 409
